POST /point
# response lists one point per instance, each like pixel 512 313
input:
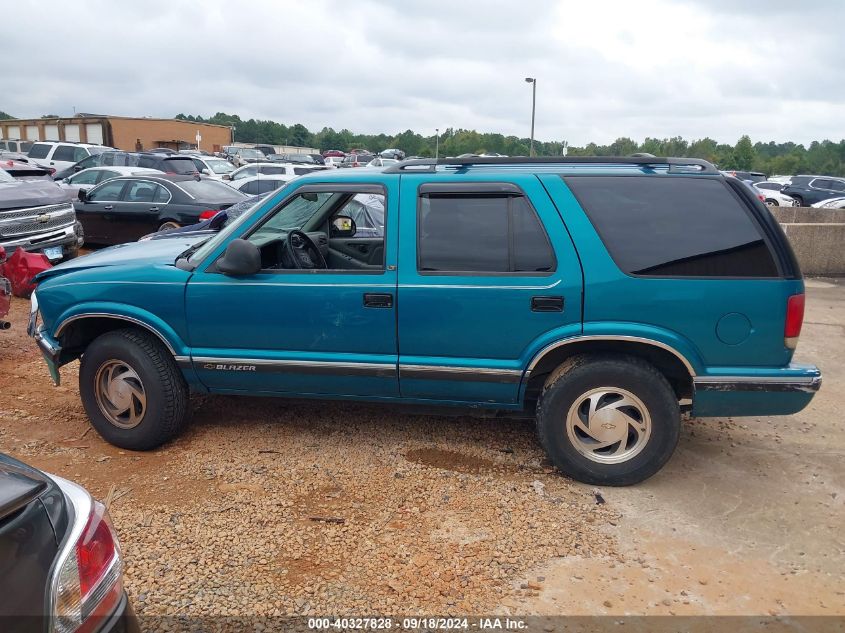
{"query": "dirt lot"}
pixel 451 514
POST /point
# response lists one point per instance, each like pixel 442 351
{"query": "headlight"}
pixel 33 314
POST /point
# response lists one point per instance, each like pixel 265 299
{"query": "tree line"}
pixel 819 157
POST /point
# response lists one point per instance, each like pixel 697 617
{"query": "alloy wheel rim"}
pixel 120 394
pixel 608 425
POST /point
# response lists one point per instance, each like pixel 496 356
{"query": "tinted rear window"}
pixel 674 226
pixel 179 165
pixel 39 150
pixel 211 191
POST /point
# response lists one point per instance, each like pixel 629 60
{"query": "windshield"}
pixel 96 150
pixel 296 211
pixel 220 166
pixel 211 191
pixel 180 165
pixel 251 153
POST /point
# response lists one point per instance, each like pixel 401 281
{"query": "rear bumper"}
pixel 776 392
pixel 123 620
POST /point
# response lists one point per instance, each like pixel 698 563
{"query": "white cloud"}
pixel 605 69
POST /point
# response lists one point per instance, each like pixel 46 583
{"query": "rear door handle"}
pixel 547 304
pixel 153 208
pixel 378 300
pixel 108 207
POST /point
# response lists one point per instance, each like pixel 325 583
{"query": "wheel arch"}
pixel 673 364
pixel 76 332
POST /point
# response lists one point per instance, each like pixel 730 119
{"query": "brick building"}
pixel 126 133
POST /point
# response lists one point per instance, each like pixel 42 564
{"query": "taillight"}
pixel 52 171
pixel 89 584
pixel 208 214
pixel 794 320
pixel 761 197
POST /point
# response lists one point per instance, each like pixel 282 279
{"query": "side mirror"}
pixel 226 177
pixel 82 195
pixel 241 258
pixel 343 226
pixel 206 171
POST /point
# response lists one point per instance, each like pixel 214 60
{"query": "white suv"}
pixel 61 155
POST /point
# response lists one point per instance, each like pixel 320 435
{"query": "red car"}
pixel 333 152
pixel 5 295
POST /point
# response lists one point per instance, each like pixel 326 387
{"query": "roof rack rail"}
pixel 424 165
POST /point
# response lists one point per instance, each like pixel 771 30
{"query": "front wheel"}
pixel 608 420
pixel 169 226
pixel 132 390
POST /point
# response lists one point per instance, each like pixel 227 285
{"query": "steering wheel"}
pixel 304 252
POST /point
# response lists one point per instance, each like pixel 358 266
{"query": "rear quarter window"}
pixel 674 226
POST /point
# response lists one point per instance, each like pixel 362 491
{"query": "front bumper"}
pixel 70 238
pixel 50 349
pixel 782 391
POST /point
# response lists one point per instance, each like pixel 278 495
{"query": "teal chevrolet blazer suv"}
pixel 604 297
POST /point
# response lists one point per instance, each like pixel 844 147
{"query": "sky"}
pixel 719 68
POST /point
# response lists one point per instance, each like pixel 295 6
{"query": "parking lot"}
pixel 279 507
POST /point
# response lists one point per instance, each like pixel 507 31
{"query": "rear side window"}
pixel 39 150
pixel 483 233
pixel 674 226
pixel 179 166
pixel 66 153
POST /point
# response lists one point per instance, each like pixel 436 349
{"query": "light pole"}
pixel 533 82
pixel 437 143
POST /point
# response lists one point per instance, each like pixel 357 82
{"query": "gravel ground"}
pixel 276 507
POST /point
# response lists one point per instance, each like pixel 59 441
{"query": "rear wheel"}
pixel 608 420
pixel 799 200
pixel 771 202
pixel 132 390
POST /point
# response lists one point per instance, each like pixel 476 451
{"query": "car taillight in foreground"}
pixel 761 197
pixel 88 582
pixel 208 214
pixel 794 320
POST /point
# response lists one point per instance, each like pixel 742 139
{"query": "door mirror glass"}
pixel 343 226
pixel 241 258
pixel 206 171
pixel 82 195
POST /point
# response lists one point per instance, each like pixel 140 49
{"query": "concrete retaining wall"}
pixel 817 237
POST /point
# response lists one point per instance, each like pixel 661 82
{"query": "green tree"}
pixel 743 155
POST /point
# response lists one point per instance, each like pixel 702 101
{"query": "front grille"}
pixel 36 219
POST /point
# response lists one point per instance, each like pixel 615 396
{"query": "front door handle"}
pixel 547 304
pixel 108 207
pixel 378 300
pixel 153 208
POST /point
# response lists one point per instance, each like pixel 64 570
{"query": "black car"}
pixel 211 225
pixel 808 190
pixel 123 209
pixel 61 568
pixel 167 163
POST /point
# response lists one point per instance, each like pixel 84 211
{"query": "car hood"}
pixel 30 193
pixel 131 254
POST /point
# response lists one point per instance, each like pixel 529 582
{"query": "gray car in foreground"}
pixel 61 568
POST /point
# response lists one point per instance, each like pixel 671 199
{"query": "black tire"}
pixel 166 409
pixel 571 383
pixel 798 199
pixel 772 202
pixel 169 225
